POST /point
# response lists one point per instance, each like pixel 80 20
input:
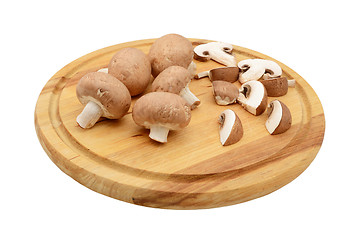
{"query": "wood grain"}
pixel 193 170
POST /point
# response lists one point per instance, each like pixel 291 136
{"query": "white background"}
pixel 318 39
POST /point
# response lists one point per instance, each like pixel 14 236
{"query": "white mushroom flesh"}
pixel 89 115
pixel 254 69
pixel 226 120
pixel 218 51
pixel 190 98
pixel 202 74
pixel 275 116
pixel 192 68
pixel 254 98
pixel 291 83
pixel 104 70
pixel 159 133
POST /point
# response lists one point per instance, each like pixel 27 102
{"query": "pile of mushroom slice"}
pixel 259 79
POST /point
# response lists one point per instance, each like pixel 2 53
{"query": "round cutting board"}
pixel 193 170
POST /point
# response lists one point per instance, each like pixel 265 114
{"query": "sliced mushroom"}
pixel 104 96
pixel 217 51
pixel 290 82
pixel 279 118
pixel 170 50
pixel 229 74
pixel 161 112
pixel 224 93
pixel 253 97
pixel 132 67
pixel 254 69
pixel 231 130
pixel 275 87
pixel 176 79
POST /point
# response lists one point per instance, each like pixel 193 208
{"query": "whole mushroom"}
pixel 161 112
pixel 171 50
pixel 104 96
pixel 132 67
pixel 175 79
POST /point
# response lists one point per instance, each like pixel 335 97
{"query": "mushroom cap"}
pixel 173 79
pixel 224 92
pixel 253 97
pixel 229 74
pixel 132 67
pixel 104 89
pixel 254 69
pixel 276 87
pixel 163 109
pixel 170 50
pixel 279 118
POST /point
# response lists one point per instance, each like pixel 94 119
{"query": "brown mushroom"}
pixel 275 87
pixel 176 79
pixel 229 74
pixel 104 96
pixel 279 118
pixel 224 93
pixel 218 51
pixel 161 112
pixel 132 67
pixel 171 50
pixel 231 130
pixel 253 97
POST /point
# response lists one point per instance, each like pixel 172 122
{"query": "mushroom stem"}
pixel 190 98
pixel 223 57
pixel 89 115
pixel 201 75
pixel 291 83
pixel 192 68
pixel 104 70
pixel 159 133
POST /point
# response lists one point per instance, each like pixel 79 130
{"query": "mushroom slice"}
pixel 290 82
pixel 224 93
pixel 254 69
pixel 279 118
pixel 161 112
pixel 176 79
pixel 217 51
pixel 104 96
pixel 229 74
pixel 276 87
pixel 231 130
pixel 253 97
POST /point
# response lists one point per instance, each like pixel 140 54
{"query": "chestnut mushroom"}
pixel 279 118
pixel 224 93
pixel 104 96
pixel 275 87
pixel 132 67
pixel 176 79
pixel 218 51
pixel 171 50
pixel 229 74
pixel 253 97
pixel 231 130
pixel 254 69
pixel 161 112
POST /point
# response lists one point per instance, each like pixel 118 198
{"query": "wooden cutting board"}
pixel 193 170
